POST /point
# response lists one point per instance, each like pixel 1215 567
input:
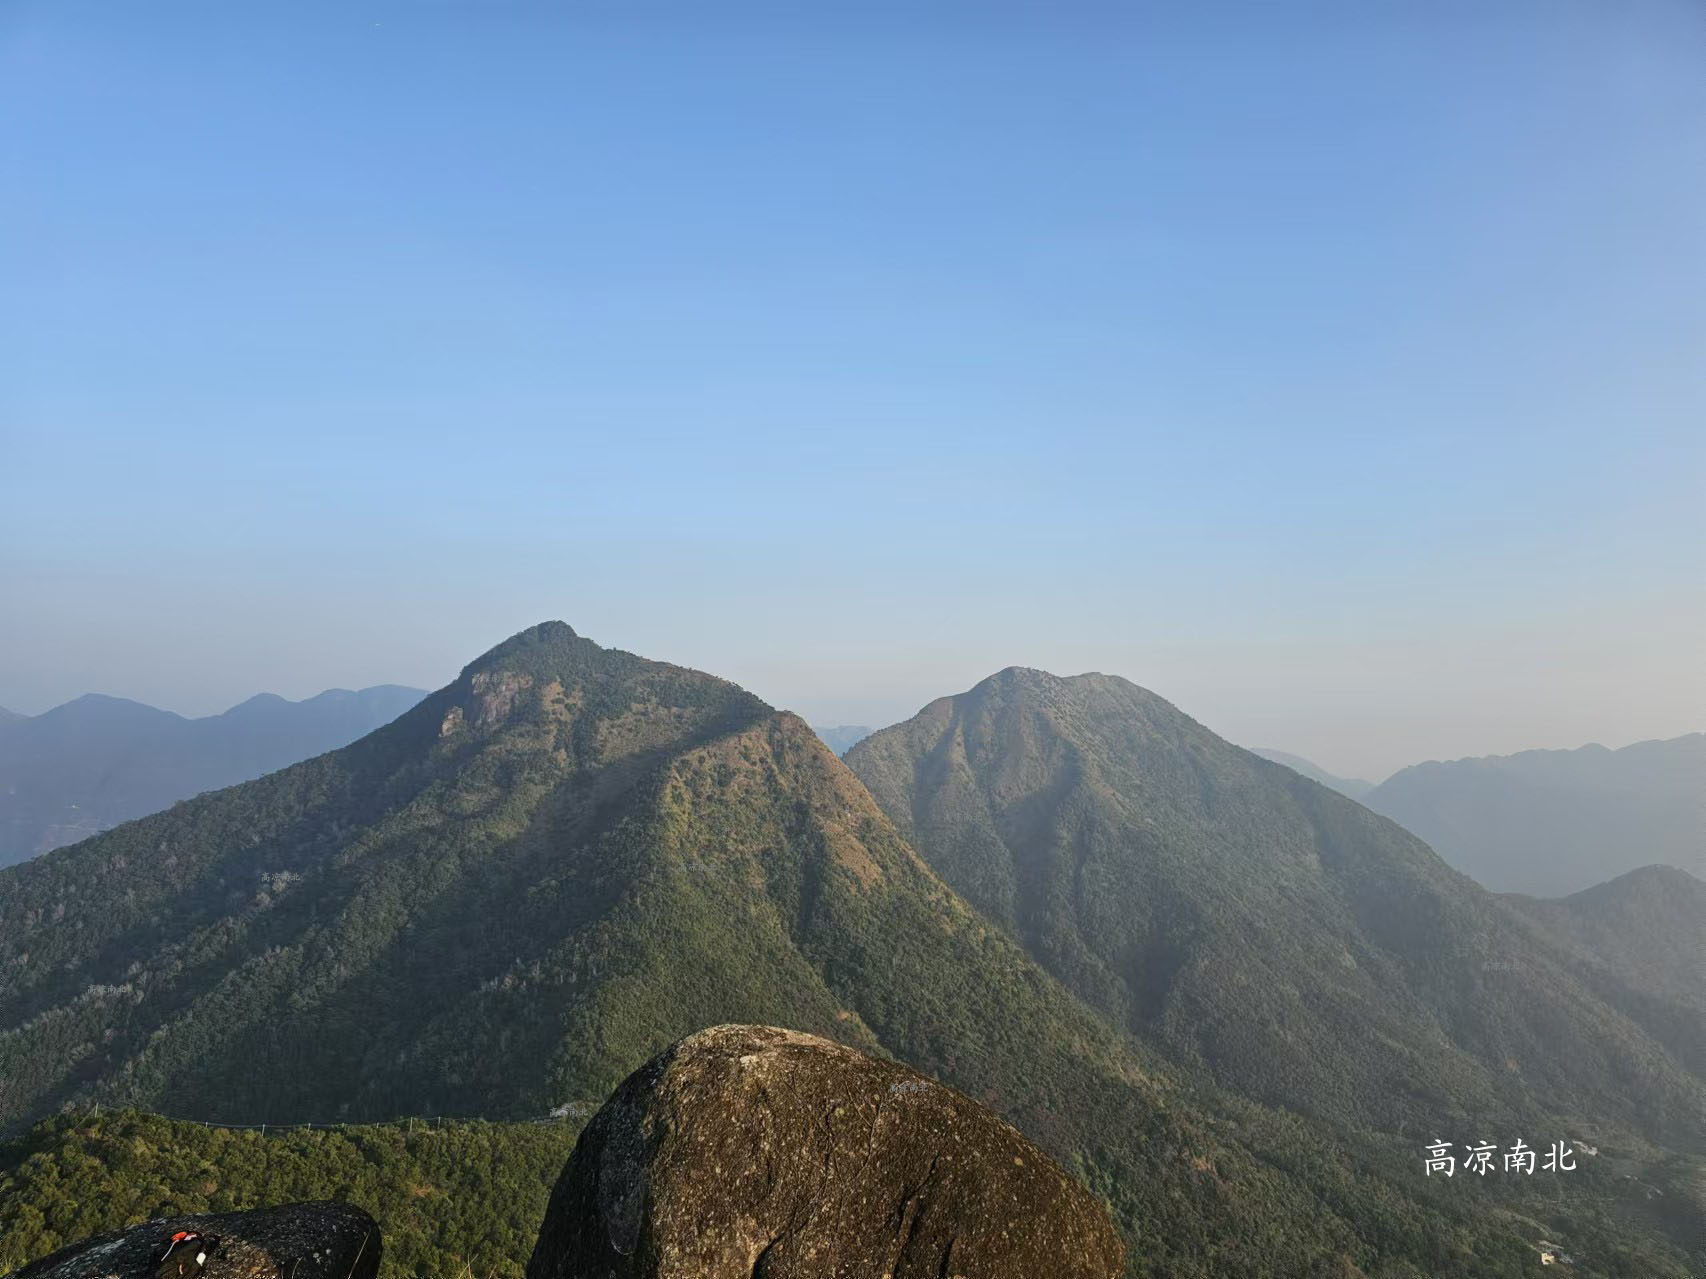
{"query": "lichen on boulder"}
pixel 323 1240
pixel 749 1152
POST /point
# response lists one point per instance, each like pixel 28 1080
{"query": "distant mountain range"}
pixel 84 767
pixel 1113 927
pixel 1547 823
pixel 840 738
pixel 1355 787
pixel 1550 823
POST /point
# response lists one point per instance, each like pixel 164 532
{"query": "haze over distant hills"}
pixel 94 762
pixel 1552 822
pixel 523 887
pixel 1355 787
pixel 840 738
pixel 1642 939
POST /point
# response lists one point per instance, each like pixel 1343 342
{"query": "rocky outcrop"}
pixel 293 1241
pixel 748 1152
pixel 495 694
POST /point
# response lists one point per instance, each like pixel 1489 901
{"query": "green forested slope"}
pixel 570 857
pixel 366 933
pixel 1639 940
pixel 1306 951
pixel 459 1199
pixel 452 1200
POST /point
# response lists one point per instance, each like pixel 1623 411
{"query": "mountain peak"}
pixel 1161 873
pixel 1032 677
pixel 1022 677
pixel 1655 880
pixel 542 642
pixel 549 673
pixel 1089 692
pixel 259 702
pixel 107 709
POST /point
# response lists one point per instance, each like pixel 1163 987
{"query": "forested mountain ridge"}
pixel 300 919
pixel 571 856
pixel 1552 822
pixel 1641 940
pixel 94 762
pixel 1306 951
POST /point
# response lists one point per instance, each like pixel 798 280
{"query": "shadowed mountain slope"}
pixel 1305 950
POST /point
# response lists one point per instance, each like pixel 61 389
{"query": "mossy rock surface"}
pixel 749 1150
pixel 324 1240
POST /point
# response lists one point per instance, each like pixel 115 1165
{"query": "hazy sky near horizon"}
pixel 1336 370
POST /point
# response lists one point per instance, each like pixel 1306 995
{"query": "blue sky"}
pixel 1338 371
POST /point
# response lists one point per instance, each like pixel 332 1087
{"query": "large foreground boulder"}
pixel 294 1241
pixel 747 1152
